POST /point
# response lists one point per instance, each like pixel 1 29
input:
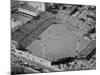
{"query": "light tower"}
pixel 43 49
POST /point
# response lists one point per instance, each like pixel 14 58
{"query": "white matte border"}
pixel 5 37
pixel 85 2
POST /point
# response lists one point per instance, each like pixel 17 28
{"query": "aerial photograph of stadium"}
pixel 52 37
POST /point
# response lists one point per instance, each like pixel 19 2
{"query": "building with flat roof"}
pixel 32 8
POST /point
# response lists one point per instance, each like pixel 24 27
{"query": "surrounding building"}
pixel 32 8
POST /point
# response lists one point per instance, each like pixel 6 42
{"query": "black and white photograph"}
pixel 52 37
